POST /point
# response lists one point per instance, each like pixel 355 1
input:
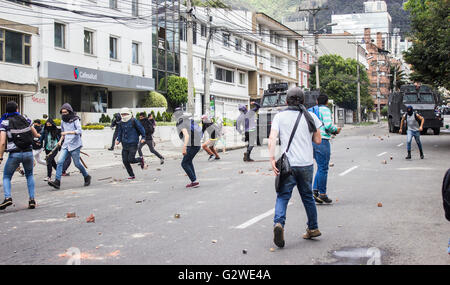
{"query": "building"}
pixel 305 59
pixel 375 17
pixel 276 55
pixel 232 58
pixel 94 55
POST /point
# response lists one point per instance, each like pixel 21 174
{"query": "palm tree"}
pixel 395 70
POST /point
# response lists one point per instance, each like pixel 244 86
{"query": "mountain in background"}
pixel 278 9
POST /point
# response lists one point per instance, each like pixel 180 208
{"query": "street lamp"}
pixel 316 43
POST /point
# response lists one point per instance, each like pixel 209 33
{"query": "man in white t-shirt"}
pixel 300 156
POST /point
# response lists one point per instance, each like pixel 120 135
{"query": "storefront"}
pixel 91 92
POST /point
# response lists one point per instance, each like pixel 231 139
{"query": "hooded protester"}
pixel 149 130
pixel 212 129
pixel 16 138
pixel 246 124
pixel 128 135
pixel 49 139
pixel 116 120
pixel 414 126
pixel 71 145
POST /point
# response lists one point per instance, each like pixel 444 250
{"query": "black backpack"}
pixel 446 194
pixel 20 130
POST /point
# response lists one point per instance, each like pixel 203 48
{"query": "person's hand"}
pixel 400 131
pixel 142 141
pixel 420 129
pixel 184 150
pixel 274 167
pixel 339 130
pixel 59 144
pixel 117 142
pixel 1 160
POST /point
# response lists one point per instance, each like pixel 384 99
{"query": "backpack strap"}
pixel 294 130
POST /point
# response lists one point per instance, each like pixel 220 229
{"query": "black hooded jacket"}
pixel 54 132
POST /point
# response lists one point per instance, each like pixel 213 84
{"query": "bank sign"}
pixel 98 77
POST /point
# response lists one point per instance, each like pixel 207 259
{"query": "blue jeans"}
pixel 14 160
pixel 75 154
pixel 322 153
pixel 409 137
pixel 187 164
pixel 302 177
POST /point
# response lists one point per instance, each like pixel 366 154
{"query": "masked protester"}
pixel 149 130
pixel 414 125
pixel 212 130
pixel 246 124
pixel 50 138
pixel 71 145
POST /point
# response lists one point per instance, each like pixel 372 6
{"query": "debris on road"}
pixel 244 251
pixel 241 171
pixel 384 162
pixel 331 164
pixel 214 241
pixel 177 216
pixel 138 202
pixel 272 249
pixel 391 158
pixel 380 205
pixel 90 219
pixel 103 179
pixel 158 169
pixel 71 215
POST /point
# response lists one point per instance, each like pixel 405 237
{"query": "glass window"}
pixel 60 35
pixel 224 75
pixel 270 100
pixel 154 57
pixel 113 52
pixel 161 59
pixel 113 4
pixel 226 39
pixel 249 48
pixel 241 78
pixel 203 30
pixel 2 40
pixel 238 44
pixel 13 47
pixel 194 33
pixel 135 53
pixel 170 62
pixel 135 8
pixel 162 82
pixel 88 42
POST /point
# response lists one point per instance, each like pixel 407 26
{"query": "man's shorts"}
pixel 211 142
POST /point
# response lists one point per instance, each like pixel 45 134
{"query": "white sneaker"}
pixel 47 179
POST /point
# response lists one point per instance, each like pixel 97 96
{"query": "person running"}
pixel 191 135
pixel 50 138
pixel 71 145
pixel 128 136
pixel 149 130
pixel 114 123
pixel 322 151
pixel 16 138
pixel 213 132
pixel 414 125
pixel 300 157
pixel 246 123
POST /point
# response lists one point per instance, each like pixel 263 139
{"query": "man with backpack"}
pixel 149 130
pixel 71 145
pixel 16 138
pixel 191 135
pixel 414 125
pixel 297 129
pixel 213 135
pixel 129 131
pixel 322 151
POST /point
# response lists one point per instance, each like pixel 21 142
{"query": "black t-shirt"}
pixel 211 129
pixel 194 137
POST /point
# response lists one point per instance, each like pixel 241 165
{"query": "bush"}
pixel 177 91
pixel 159 118
pixel 153 114
pixel 93 127
pixel 167 117
pixel 384 111
pixel 155 99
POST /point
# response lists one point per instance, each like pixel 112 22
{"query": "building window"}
pixel 241 78
pixel 60 35
pixel 15 47
pixel 135 53
pixel 194 33
pixel 183 29
pixel 113 4
pixel 203 30
pixel 238 44
pixel 226 39
pixel 248 48
pixel 113 48
pixel 224 75
pixel 135 8
pixel 88 42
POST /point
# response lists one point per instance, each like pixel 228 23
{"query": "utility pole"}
pixel 358 90
pixel 314 12
pixel 378 88
pixel 190 68
pixel 207 81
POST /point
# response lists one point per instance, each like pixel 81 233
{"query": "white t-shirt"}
pixel 301 149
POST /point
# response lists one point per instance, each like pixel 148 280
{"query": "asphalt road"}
pixel 135 221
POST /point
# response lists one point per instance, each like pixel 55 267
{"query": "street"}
pixel 228 219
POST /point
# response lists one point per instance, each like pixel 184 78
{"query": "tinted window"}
pixel 270 100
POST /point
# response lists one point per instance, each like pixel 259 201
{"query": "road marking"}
pixel 415 168
pixel 257 219
pixel 381 154
pixel 400 144
pixel 348 171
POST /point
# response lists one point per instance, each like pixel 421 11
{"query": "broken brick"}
pixel 71 215
pixel 90 219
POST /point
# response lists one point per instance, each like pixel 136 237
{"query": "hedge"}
pixel 93 127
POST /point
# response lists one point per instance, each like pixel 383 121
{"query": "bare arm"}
pixel 272 143
pixel 186 140
pixel 317 137
pixel 422 119
pixel 35 133
pixel 2 145
pixel 401 124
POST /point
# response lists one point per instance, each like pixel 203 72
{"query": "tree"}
pixel 399 75
pixel 155 99
pixel 177 91
pixel 430 25
pixel 338 79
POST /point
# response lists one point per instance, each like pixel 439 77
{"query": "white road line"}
pixel 381 154
pixel 257 219
pixel 348 171
pixel 400 144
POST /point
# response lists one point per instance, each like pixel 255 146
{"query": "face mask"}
pixel 66 117
pixel 126 118
pixel 409 111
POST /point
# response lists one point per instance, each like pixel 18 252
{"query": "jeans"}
pixel 409 137
pixel 187 164
pixel 129 157
pixel 322 153
pixel 75 154
pixel 116 132
pixel 14 160
pixel 150 146
pixel 302 177
pixel 51 162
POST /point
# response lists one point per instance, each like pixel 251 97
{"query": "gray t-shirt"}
pixel 412 123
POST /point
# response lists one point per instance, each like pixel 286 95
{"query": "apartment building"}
pixel 305 59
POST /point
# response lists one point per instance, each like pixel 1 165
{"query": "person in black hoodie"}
pixel 116 120
pixel 149 130
pixel 49 138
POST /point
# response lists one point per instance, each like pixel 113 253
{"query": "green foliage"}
pixel 159 118
pixel 155 99
pixel 431 39
pixel 399 75
pixel 338 79
pixel 153 114
pixel 167 117
pixel 384 111
pixel 93 127
pixel 177 91
pixel 228 122
pixel 105 119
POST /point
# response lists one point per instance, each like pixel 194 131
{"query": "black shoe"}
pixel 245 156
pixel 6 203
pixel 324 198
pixel 408 156
pixel 161 161
pixel 316 197
pixel 211 157
pixel 141 162
pixel 217 158
pixel 421 155
pixel 87 180
pixel 56 184
pixel 111 148
pixel 31 204
pixel 278 235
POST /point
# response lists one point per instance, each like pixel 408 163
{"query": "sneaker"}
pixel 278 235
pixel 6 203
pixel 142 162
pixel 47 179
pixel 316 197
pixel 56 184
pixel 211 157
pixel 324 198
pixel 161 161
pixel 193 185
pixel 111 148
pixel 87 180
pixel 131 178
pixel 311 234
pixel 217 158
pixel 21 172
pixel 31 204
pixel 250 160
